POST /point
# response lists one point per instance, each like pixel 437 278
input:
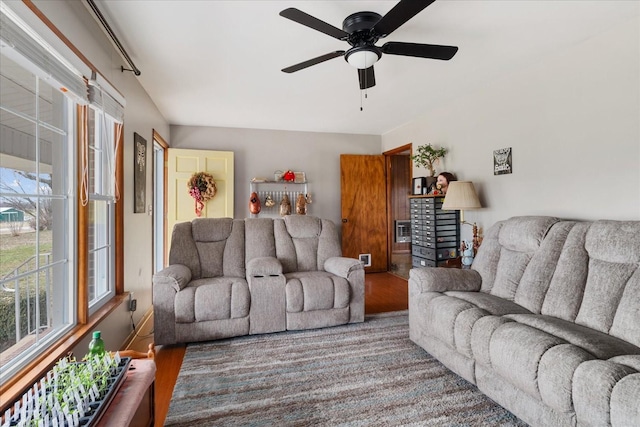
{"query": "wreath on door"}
pixel 202 188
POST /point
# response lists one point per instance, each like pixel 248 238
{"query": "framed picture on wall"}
pixel 139 173
pixel 502 161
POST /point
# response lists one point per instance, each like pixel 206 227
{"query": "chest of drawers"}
pixel 435 233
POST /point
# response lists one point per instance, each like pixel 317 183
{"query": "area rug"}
pixel 366 374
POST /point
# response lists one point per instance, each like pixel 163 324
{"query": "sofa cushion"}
pixel 297 252
pixel 511 267
pixel 593 384
pixel 452 316
pixel 627 317
pixel 211 229
pixel 564 295
pixel 555 375
pixel 183 249
pixel 220 245
pixel 606 282
pixel 525 233
pixel 486 260
pixel 601 345
pixel 211 255
pixel 310 291
pixel 492 304
pixel 259 239
pixel 481 334
pixel 515 351
pixel 213 299
pixel 538 273
pixel 305 243
pixel 614 241
pixel 625 396
pixel 519 239
pixel 440 317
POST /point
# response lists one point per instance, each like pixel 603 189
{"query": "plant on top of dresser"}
pixel 426 156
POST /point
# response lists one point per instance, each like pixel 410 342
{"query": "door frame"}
pixel 158 139
pixel 387 156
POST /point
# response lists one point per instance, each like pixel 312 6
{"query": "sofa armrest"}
pixel 440 279
pixel 342 266
pixel 264 266
pixel 176 276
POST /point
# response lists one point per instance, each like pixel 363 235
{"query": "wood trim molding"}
pixel 119 212
pixel 83 222
pixel 165 182
pixel 390 225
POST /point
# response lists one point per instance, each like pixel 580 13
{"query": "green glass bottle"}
pixel 96 346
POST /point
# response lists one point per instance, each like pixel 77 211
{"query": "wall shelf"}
pixel 277 189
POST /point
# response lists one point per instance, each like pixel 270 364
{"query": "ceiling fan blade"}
pixel 314 61
pixel 312 22
pixel 432 51
pixel 401 13
pixel 367 78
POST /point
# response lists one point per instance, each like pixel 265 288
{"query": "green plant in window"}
pixel 426 156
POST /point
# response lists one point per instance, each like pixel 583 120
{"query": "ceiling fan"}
pixel 362 30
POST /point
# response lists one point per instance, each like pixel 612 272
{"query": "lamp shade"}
pixel 362 57
pixel 461 195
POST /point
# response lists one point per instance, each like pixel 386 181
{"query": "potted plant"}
pixel 71 394
pixel 426 156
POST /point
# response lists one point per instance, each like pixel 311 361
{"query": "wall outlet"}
pixel 133 304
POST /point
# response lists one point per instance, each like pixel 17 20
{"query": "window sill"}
pixel 37 368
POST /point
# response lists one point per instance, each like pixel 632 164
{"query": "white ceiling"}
pixel 217 63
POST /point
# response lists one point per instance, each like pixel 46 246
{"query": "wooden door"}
pixel 181 164
pixel 364 209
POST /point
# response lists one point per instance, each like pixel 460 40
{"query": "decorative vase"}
pixel 285 206
pixel 254 203
pixel 301 205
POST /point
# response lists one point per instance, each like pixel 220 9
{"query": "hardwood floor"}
pixel 384 292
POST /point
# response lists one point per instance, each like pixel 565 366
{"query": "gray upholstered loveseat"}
pixel 230 277
pixel 546 322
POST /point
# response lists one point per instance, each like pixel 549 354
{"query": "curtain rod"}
pixel 114 38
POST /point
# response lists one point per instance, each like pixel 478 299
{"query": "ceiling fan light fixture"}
pixel 362 57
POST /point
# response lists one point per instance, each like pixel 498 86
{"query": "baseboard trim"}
pixel 144 329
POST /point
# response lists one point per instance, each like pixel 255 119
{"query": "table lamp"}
pixel 461 195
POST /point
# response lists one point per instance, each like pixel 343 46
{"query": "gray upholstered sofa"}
pixel 230 277
pixel 546 322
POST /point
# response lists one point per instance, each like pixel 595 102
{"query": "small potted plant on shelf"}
pixel 426 157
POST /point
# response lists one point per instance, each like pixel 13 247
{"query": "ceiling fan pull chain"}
pixel 361 99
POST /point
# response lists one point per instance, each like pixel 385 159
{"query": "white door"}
pixel 182 164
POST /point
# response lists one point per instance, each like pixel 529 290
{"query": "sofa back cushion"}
pixel 564 296
pixel 183 249
pixel 210 247
pixel 260 240
pixel 304 243
pixel 514 257
pixel 611 301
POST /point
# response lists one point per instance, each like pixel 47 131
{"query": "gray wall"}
pixel 258 153
pixel 573 122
